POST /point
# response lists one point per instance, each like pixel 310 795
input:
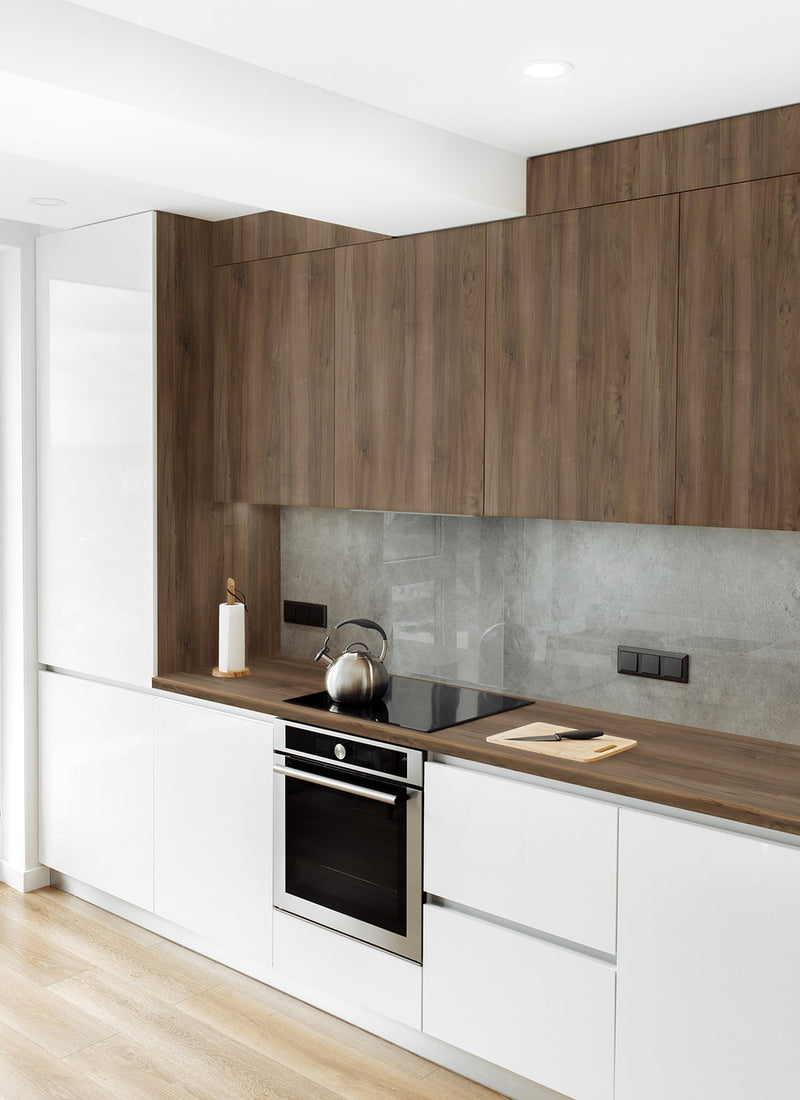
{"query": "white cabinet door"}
pixel 540 858
pixel 537 1009
pixel 213 826
pixel 708 964
pixel 96 785
pixel 95 351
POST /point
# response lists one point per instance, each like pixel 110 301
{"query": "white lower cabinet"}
pixel 336 966
pixel 537 1009
pixel 213 826
pixel 96 785
pixel 518 956
pixel 708 965
pixel 541 858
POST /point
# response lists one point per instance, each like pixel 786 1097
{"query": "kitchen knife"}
pixel 568 735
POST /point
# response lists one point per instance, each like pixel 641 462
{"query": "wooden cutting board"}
pixel 582 752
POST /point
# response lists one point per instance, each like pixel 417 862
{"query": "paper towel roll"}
pixel 231 637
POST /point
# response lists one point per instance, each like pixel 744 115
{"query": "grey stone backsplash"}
pixel 538 607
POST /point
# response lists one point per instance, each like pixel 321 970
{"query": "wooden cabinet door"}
pixel 708 963
pixel 274 380
pixel 409 373
pixel 739 356
pixel 581 362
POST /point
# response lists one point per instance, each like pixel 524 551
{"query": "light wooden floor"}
pixel 94 1007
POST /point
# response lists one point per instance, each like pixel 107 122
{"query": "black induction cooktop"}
pixel 422 705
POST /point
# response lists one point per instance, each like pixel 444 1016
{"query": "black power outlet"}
pixel 306 614
pixel 656 664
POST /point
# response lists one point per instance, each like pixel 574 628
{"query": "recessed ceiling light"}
pixel 45 201
pixel 547 68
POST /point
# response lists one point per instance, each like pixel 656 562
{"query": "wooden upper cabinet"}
pixel 410 325
pixel 274 379
pixel 581 363
pixel 739 356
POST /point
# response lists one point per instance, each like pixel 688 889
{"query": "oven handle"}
pixel 336 784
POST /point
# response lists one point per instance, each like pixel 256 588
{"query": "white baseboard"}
pixel 24 879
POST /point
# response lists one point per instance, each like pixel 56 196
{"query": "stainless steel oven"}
pixel 348 835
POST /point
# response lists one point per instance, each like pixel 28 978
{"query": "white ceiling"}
pixel 396 119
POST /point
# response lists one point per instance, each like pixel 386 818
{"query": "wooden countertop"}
pixel 740 778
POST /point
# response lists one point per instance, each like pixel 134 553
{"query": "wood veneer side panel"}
pixel 231 305
pixel 189 523
pixel 707 154
pixel 253 559
pixel 409 373
pixel 580 364
pixel 272 233
pixel 739 357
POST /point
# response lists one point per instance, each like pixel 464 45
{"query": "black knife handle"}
pixel 581 735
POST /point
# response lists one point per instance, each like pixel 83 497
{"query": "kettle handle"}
pixel 368 624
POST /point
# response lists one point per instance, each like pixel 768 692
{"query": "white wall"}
pixel 19 864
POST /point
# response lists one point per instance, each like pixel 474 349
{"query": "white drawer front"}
pixel 540 858
pixel 539 1010
pixel 335 965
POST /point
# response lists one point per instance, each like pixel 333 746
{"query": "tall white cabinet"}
pixel 96 398
pixel 708 966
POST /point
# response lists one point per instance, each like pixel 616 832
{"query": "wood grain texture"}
pixel 580 364
pixel 410 373
pixel 738 455
pixel 274 378
pixel 253 551
pixel 271 233
pixel 202 1032
pixel 190 524
pixel 746 779
pixel 731 150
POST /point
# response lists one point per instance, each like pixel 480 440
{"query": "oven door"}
pixel 348 853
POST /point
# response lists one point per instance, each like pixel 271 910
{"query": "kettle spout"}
pixel 323 654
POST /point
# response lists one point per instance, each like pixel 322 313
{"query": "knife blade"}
pixel 570 735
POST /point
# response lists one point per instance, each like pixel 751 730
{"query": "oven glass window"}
pixel 346 852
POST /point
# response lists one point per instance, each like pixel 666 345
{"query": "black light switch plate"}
pixel 656 664
pixel 306 614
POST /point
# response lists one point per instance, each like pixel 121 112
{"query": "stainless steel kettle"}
pixel 357 676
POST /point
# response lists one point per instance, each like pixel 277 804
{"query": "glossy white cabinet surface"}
pixel 213 825
pixel 348 970
pixel 95 353
pixel 537 857
pixel 96 785
pixel 709 964
pixel 537 1009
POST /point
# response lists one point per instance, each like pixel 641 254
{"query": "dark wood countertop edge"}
pixel 752 781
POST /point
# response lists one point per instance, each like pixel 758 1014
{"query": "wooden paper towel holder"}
pixel 231 599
